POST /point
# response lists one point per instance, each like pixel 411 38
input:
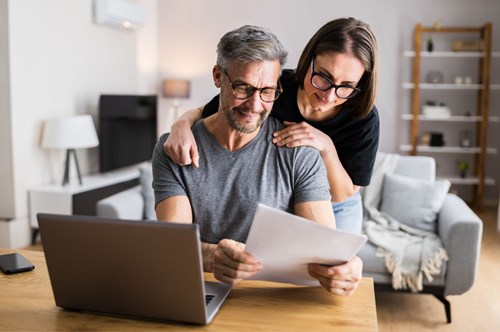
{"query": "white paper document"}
pixel 285 243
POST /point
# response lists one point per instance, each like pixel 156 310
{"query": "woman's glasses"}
pixel 323 83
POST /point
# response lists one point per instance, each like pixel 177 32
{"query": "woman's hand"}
pixel 300 134
pixel 180 145
pixel 342 279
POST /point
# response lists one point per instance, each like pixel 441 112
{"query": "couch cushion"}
pixel 146 179
pixel 413 202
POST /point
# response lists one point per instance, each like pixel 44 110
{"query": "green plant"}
pixel 463 166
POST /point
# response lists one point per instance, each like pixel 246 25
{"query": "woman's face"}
pixel 339 69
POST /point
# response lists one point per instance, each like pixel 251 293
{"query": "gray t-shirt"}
pixel 225 190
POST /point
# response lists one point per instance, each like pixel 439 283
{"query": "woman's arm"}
pixel 341 186
pixel 180 145
pixel 301 134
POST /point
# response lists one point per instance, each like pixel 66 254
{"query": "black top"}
pixel 356 140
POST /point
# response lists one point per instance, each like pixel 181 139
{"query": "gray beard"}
pixel 243 129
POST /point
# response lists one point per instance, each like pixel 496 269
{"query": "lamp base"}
pixel 70 152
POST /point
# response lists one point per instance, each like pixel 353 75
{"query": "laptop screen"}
pixel 139 268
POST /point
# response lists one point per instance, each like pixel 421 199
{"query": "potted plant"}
pixel 463 167
pixel 430 45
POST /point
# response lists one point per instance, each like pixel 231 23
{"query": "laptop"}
pixel 136 268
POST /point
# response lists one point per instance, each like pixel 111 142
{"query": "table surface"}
pixel 27 303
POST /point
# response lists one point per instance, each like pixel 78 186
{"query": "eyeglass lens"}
pixel 244 91
pixel 323 83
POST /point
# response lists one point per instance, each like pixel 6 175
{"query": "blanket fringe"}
pixel 433 265
pixel 401 280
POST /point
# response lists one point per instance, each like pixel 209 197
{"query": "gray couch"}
pixel 458 226
pixel 136 203
pixel 460 230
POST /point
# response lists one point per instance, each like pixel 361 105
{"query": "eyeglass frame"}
pixel 278 90
pixel 355 90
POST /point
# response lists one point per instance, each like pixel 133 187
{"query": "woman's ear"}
pixel 217 73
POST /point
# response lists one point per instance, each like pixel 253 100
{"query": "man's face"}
pixel 247 113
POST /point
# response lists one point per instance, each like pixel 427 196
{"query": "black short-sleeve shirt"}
pixel 356 140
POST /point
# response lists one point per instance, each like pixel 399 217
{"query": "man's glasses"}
pixel 323 83
pixel 244 91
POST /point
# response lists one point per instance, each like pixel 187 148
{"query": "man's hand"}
pixel 232 264
pixel 340 279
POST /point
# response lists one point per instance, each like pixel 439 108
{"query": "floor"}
pixel 476 310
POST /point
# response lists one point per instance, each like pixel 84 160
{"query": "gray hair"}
pixel 250 44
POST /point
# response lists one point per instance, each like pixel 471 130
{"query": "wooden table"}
pixel 27 303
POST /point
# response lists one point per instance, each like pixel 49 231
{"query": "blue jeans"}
pixel 349 214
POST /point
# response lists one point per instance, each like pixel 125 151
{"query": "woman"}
pixel 327 103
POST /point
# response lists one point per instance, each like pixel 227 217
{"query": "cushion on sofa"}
pixel 146 180
pixel 413 202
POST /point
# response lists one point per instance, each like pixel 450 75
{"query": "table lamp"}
pixel 70 133
pixel 176 89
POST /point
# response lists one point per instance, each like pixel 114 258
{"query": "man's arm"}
pixel 175 209
pixel 227 260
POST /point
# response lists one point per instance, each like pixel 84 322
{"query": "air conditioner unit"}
pixel 119 13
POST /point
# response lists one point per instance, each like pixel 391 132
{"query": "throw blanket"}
pixel 408 253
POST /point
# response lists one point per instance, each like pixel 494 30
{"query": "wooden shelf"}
pixel 449 86
pixel 453 118
pixel 450 54
pixel 467 180
pixel 481 87
pixel 446 149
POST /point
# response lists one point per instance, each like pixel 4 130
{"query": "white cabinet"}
pixel 79 199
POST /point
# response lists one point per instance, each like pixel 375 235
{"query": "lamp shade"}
pixel 71 132
pixel 176 88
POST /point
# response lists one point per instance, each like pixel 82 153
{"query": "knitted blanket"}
pixel 409 253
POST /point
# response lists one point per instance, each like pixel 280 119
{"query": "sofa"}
pixel 457 225
pixel 136 203
pixel 460 230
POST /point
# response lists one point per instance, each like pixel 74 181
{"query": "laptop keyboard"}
pixel 208 298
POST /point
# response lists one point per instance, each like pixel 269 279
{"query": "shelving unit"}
pixel 480 118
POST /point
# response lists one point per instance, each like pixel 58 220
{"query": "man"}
pixel 240 166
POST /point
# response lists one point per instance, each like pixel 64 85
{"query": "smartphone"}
pixel 15 263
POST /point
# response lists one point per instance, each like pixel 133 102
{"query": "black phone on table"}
pixel 15 263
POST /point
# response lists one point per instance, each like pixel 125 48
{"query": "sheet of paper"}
pixel 285 243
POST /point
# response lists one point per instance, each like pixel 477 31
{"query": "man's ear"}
pixel 217 73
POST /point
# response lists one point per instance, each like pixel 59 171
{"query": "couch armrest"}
pixel 127 204
pixel 461 231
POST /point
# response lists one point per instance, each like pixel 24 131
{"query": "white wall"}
pixel 6 179
pixel 147 49
pixel 55 61
pixel 190 30
pixel 60 62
